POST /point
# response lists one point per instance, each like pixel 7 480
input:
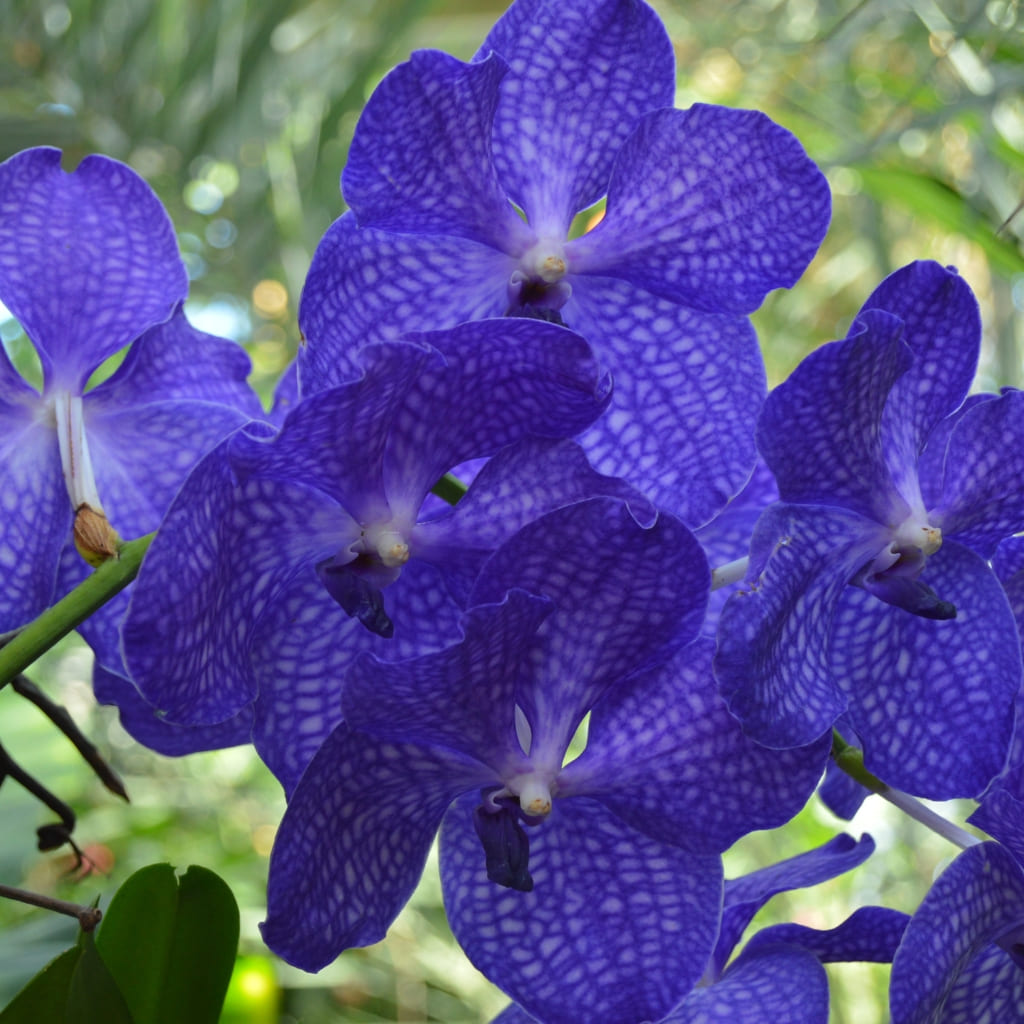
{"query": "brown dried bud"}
pixel 96 540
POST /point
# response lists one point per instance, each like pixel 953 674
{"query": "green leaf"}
pixel 930 199
pixel 135 936
pixel 171 944
pixel 203 950
pixel 93 994
pixel 46 995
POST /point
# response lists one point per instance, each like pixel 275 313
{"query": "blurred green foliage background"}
pixel 240 114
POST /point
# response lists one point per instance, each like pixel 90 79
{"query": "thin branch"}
pixel 88 917
pixel 60 718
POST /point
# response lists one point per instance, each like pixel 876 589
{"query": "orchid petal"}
pixel 88 260
pixel 582 73
pixel 708 207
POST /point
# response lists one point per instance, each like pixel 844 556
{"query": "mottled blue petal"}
pixel 420 159
pixel 521 483
pixel 463 697
pixel 618 927
pixel 88 260
pixel 583 72
pixel 991 987
pixel 942 326
pixel 927 727
pixel 35 511
pixel 175 360
pixel 504 379
pixel 140 720
pixel 726 537
pixel 868 935
pixel 976 900
pixel 772 662
pixel 353 842
pixel 686 388
pixel 305 645
pixel 621 593
pixel 820 430
pixel 778 983
pixel 746 895
pixel 336 441
pixel 700 783
pixel 983 494
pixel 367 286
pixel 841 794
pixel 708 207
pixel 1001 815
pixel 221 554
pixel 142 453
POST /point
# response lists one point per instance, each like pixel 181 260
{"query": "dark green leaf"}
pixel 46 995
pixel 93 994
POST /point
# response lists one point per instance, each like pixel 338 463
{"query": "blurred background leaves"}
pixel 239 113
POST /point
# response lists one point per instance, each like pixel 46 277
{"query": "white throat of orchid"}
pixel 533 791
pixel 386 543
pixel 544 261
pixel 95 539
pixel 913 534
pixel 74 452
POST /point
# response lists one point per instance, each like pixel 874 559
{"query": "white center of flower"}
pixel 534 795
pixel 387 543
pixel 545 261
pixel 914 533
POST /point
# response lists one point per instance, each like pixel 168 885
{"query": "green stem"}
pixel 91 594
pixel 851 760
pixel 450 489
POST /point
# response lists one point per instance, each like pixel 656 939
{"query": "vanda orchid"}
pixel 523 565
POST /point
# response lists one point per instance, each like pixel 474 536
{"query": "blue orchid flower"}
pixel 869 594
pixel 580 888
pixel 708 209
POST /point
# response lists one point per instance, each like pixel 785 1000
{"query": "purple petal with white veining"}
pixel 686 388
pixel 975 901
pixel 337 440
pixel 746 895
pixel 868 935
pixel 621 593
pixel 726 537
pixel 35 510
pixel 927 727
pixel 175 360
pixel 820 430
pixel 708 207
pixel 463 697
pixel 305 646
pixel 618 927
pixel 700 783
pixel 420 160
pixel 521 483
pixel 774 635
pixel 222 554
pixel 942 326
pixel 140 720
pixel 88 260
pixel 992 984
pixel 779 983
pixel 353 842
pixel 504 379
pixel 983 499
pixel 1001 815
pixel 368 286
pixel 141 454
pixel 582 74
pixel 841 794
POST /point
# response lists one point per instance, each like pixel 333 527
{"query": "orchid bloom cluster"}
pixel 537 309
